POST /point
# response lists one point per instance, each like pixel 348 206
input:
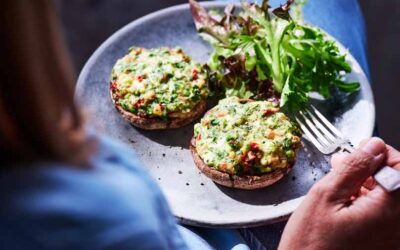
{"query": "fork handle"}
pixel 387 177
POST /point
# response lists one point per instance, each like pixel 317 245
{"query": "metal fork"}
pixel 328 140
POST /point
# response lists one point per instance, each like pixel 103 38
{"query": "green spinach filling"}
pixel 246 138
pixel 158 82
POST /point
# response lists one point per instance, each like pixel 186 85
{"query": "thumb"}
pixel 349 171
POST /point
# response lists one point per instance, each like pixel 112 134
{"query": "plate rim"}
pixel 291 205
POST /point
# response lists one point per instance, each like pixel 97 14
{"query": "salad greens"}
pixel 263 55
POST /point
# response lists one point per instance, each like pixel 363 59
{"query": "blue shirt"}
pixel 113 205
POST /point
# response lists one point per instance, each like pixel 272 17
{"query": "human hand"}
pixel 346 209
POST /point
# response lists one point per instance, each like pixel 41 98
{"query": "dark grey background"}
pixel 383 25
pixel 88 23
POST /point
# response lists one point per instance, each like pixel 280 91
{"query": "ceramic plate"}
pixel 194 198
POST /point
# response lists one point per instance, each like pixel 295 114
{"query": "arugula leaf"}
pixel 292 97
pixel 347 87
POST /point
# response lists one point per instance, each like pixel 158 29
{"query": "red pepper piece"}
pixel 270 111
pixel 139 103
pixel 195 74
pixel 254 147
pixel 113 86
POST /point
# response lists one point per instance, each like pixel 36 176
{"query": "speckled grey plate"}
pixel 195 199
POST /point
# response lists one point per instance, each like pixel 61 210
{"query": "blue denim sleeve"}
pixel 113 205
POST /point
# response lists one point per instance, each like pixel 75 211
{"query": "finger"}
pixel 393 157
pixel 337 159
pixel 364 191
pixel 350 171
pixel 392 160
pixel 361 192
pixel 369 183
pixel 377 196
pixel 392 154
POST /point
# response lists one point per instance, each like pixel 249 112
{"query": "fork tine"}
pixel 321 127
pixel 309 135
pixel 320 137
pixel 327 123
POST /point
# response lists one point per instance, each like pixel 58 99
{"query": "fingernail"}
pixel 379 158
pixel 374 146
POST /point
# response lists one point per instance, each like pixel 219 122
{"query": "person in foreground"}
pixel 66 187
